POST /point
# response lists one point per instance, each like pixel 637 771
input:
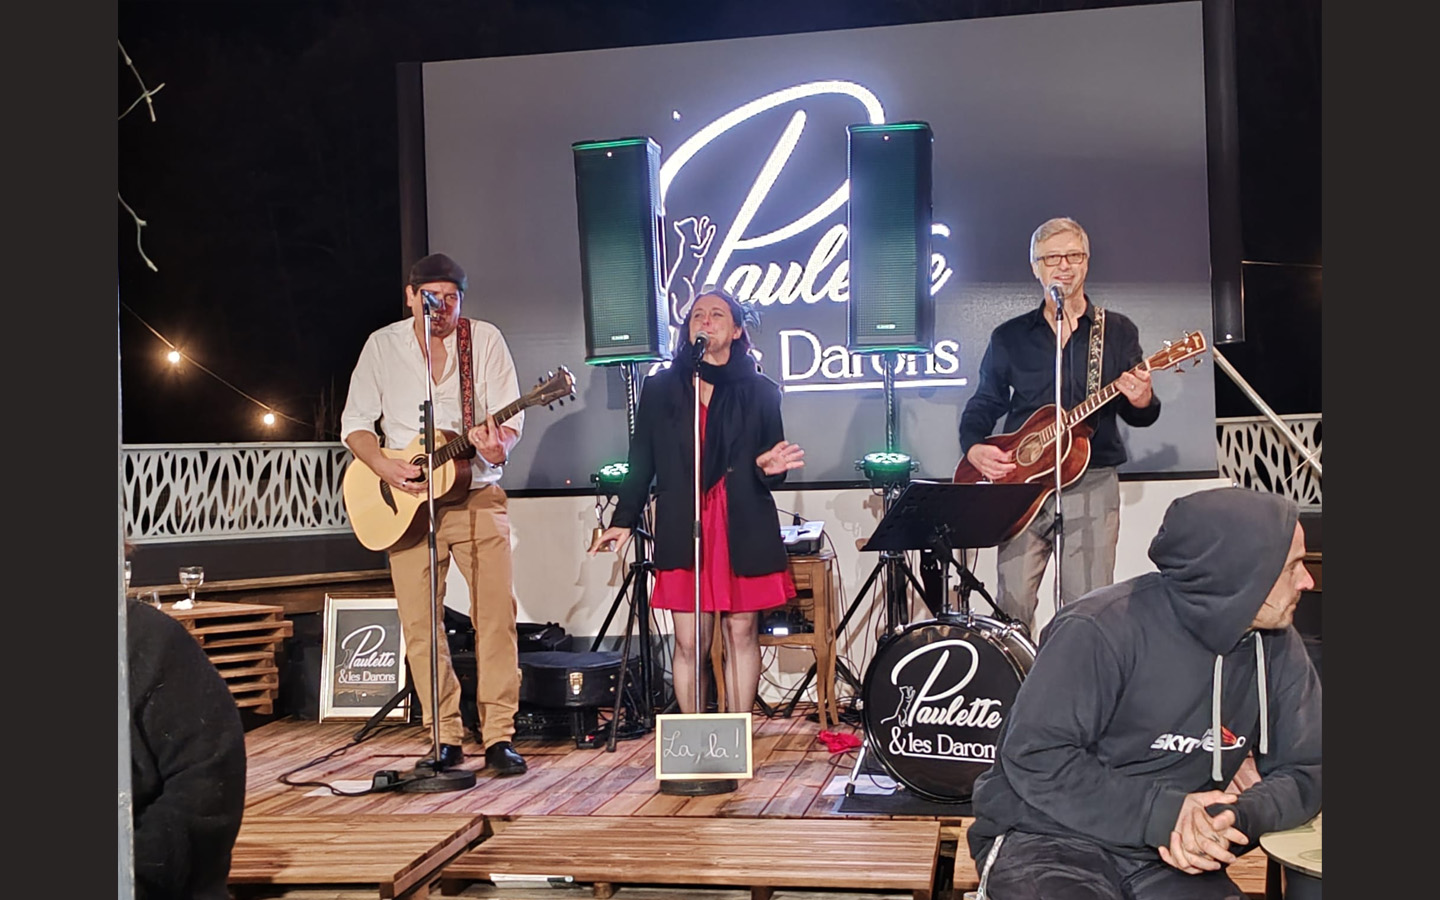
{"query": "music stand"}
pixel 942 516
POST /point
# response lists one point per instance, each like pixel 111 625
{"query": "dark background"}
pixel 269 182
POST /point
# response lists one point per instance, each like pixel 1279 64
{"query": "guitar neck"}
pixel 1094 401
pixel 462 446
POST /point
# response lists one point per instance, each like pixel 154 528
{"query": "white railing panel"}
pixel 1253 453
pixel 196 492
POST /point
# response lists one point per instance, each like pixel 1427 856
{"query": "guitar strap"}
pixel 467 374
pixel 1097 352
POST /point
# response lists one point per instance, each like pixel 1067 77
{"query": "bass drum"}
pixel 934 697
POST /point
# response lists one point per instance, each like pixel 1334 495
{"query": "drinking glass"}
pixel 191 577
pixel 127 577
pixel 152 597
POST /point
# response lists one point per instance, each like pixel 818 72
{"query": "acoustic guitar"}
pixel 380 515
pixel 1034 442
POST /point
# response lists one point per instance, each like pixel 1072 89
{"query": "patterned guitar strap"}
pixel 467 374
pixel 1097 353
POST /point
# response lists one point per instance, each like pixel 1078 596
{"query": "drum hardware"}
pixel 935 692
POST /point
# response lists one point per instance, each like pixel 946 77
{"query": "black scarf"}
pixel 723 416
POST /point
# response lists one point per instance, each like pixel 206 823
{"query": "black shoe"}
pixel 502 757
pixel 450 756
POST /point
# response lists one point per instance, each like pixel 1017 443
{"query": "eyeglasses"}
pixel 1074 257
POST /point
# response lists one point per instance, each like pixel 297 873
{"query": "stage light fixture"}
pixel 885 468
pixel 610 477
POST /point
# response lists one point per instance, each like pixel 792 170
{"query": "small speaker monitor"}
pixel 890 304
pixel 617 199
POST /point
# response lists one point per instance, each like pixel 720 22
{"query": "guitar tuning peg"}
pixel 551 374
pixel 562 402
pixel 1169 344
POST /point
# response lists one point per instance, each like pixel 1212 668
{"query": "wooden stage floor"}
pixel 791 770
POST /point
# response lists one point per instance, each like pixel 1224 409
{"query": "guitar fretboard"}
pixel 462 446
pixel 1089 405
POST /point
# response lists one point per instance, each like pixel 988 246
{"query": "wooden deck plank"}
pixel 872 855
pixel 395 853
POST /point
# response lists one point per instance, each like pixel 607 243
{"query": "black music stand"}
pixel 941 516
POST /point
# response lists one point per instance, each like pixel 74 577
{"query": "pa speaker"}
pixel 890 211
pixel 617 199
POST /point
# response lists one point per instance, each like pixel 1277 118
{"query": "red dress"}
pixel 720 588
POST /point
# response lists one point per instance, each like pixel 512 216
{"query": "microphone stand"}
pixel 1058 542
pixel 424 779
pixel 698 787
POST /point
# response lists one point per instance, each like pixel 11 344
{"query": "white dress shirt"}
pixel 388 385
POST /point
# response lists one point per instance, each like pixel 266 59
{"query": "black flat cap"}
pixel 437 267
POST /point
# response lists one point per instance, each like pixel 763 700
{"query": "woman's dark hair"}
pixel 739 313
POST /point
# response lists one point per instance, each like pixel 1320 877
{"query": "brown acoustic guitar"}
pixel 1034 442
pixel 380 515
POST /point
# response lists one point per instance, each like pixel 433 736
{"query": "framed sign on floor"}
pixel 362 657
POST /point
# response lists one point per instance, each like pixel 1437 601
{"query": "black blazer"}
pixel 662 448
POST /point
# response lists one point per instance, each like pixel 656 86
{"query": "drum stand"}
pixel 938 517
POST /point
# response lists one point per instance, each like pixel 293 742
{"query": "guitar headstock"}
pixel 1177 352
pixel 553 386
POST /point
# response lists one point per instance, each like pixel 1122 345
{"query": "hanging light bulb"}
pixel 174 357
pixel 268 418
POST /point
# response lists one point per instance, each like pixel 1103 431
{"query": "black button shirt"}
pixel 1017 377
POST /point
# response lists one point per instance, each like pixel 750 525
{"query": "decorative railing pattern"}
pixel 197 492
pixel 1253 453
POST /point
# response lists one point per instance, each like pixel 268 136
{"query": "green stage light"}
pixel 611 476
pixel 886 468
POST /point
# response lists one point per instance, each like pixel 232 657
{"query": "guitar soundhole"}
pixel 1028 451
pixel 419 463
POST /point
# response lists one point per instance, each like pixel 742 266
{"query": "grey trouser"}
pixel 1091 508
pixel 1041 867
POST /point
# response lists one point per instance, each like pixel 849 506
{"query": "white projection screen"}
pixel 1097 114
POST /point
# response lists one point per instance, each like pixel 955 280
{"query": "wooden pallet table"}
pixel 400 855
pixel 241 640
pixel 759 854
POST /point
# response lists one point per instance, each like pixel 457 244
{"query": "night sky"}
pixel 269 182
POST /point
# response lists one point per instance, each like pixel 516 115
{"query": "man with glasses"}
pixel 471 367
pixel 1017 377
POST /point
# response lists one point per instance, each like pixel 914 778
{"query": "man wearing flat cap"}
pixel 473 376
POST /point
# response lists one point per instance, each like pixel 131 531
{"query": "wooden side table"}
pixel 241 640
pixel 814 577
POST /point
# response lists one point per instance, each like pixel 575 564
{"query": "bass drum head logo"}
pixel 935 697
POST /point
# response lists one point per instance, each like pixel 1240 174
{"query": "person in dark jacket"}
pixel 1116 769
pixel 187 761
pixel 744 456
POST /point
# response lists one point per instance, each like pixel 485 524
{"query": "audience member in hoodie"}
pixel 1115 771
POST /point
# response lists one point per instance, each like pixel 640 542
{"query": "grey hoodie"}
pixel 1118 718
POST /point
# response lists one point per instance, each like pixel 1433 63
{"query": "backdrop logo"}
pixel 807 362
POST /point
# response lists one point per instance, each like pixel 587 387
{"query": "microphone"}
pixel 700 341
pixel 432 302
pixel 1058 295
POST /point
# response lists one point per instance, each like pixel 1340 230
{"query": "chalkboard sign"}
pixel 362 657
pixel 702 746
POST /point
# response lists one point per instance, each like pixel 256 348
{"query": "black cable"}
pixel 361 737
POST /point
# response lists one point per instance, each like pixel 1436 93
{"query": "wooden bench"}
pixel 1248 872
pixel 759 854
pixel 400 855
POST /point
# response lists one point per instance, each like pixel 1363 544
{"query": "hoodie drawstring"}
pixel 1215 773
pixel 1264 702
pixel 1215 733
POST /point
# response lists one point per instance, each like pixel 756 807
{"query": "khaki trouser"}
pixel 1092 528
pixel 476 534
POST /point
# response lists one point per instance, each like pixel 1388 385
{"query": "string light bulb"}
pixel 174 357
pixel 268 418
